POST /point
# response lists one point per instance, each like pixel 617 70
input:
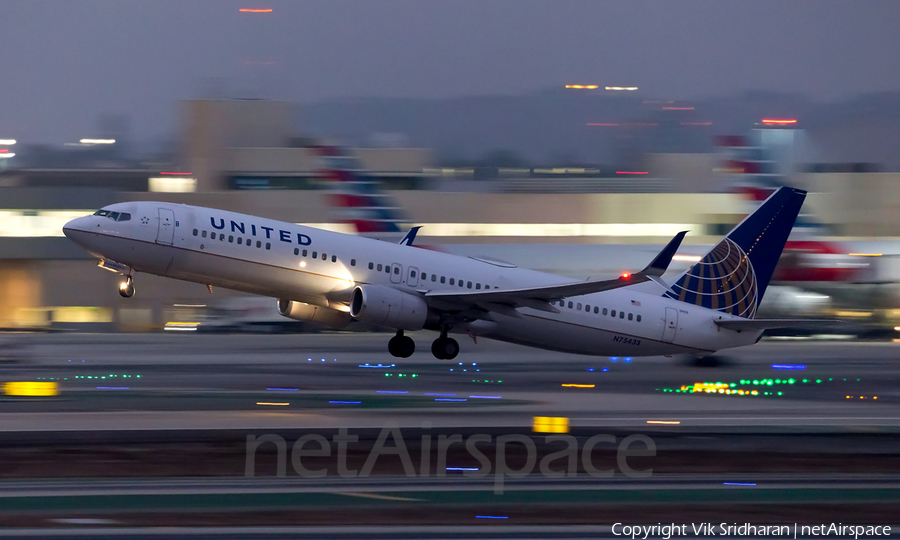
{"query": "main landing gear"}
pixel 445 348
pixel 401 346
pixel 126 288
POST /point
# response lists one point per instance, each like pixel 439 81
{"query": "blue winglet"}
pixel 410 236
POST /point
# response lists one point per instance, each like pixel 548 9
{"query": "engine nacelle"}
pixel 384 306
pixel 313 314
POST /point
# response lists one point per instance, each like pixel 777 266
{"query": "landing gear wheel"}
pixel 445 348
pixel 401 346
pixel 126 288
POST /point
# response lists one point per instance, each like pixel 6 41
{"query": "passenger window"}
pixel 570 304
pixel 248 242
pixel 487 286
pixel 478 286
pixel 203 234
pixel 452 281
pixel 196 232
pixel 596 310
pixel 379 268
pixel 304 253
pixel 604 311
pixel 387 269
pixel 443 279
pixel 461 283
pixel 240 241
pixel 334 258
pixel 258 243
pixel 113 216
pixel 578 306
pixel 352 262
pixel 469 285
pixel 315 254
pixel 396 269
pixel 231 238
pixel 372 265
pixel 639 318
pixel 630 316
pixel 433 277
pixel 324 257
pixel 621 314
pixel 268 245
pixel 562 303
pixel 296 251
pixel 412 274
pixel 613 313
pixel 424 276
pixel 124 216
pixel 222 237
pixel 587 308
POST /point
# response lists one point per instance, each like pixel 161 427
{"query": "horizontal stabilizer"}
pixel 766 324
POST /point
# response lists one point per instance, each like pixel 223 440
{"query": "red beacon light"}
pixel 626 275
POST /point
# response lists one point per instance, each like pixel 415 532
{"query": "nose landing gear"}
pixel 126 288
pixel 401 346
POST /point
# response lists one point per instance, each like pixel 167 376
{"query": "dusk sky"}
pixel 65 62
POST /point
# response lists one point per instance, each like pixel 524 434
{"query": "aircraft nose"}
pixel 75 226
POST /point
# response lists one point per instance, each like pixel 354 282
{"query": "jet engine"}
pixel 384 306
pixel 313 314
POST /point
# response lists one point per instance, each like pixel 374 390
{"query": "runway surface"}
pixel 157 427
pixel 165 381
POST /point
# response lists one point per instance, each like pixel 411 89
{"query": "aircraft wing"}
pixel 765 324
pixel 542 298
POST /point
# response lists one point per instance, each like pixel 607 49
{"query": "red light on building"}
pixel 632 172
pixel 3 150
pixel 177 173
pixel 778 122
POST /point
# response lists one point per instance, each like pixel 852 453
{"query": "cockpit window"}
pixel 114 216
pixel 124 216
pixel 103 213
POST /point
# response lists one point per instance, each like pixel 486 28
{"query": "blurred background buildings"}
pixel 644 171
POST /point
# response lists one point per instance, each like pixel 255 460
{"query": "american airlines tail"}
pixel 732 277
pixel 357 197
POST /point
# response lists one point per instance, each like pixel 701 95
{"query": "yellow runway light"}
pixel 30 388
pixel 667 422
pixel 579 385
pixel 271 403
pixel 551 424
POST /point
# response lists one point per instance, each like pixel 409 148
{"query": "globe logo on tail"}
pixel 723 280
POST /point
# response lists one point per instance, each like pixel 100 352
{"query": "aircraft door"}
pixel 166 232
pixel 396 273
pixel 671 325
pixel 412 276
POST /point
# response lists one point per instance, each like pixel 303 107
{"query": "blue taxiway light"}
pixel 391 391
pixel 283 389
pixel 788 366
pixel 450 399
pixel 351 402
pixel 487 397
pixel 462 468
pixel 492 517
pixel 736 484
pixel 113 388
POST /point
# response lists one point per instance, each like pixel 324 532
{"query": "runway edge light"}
pixel 551 424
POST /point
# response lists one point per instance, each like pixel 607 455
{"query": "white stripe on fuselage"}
pixel 276 271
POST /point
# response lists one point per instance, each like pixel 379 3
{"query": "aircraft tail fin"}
pixel 733 276
pixel 357 196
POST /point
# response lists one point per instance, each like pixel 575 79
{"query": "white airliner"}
pixel 331 278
